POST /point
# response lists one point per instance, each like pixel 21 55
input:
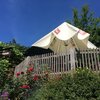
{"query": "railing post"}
pixel 72 58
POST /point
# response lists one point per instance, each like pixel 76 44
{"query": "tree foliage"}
pixel 86 21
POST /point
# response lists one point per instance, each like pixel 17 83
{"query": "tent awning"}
pixel 61 38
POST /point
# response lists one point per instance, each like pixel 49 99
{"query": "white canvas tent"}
pixel 64 37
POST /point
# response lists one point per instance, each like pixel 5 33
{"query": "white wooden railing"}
pixel 56 63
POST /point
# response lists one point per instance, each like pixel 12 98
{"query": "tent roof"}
pixel 64 32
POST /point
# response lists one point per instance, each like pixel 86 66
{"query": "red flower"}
pixel 35 77
pixel 25 86
pixel 30 69
pixel 17 74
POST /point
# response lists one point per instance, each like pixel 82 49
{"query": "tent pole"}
pixel 74 43
pixel 73 54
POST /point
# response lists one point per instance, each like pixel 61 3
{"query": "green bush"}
pixel 24 83
pixel 82 85
pixel 7 65
pixel 4 69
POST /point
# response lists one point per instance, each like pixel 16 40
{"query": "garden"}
pixel 82 84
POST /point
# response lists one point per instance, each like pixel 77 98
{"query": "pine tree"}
pixel 86 21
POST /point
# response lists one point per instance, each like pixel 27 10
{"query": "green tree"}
pixel 13 41
pixel 86 21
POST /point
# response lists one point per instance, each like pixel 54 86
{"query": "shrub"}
pixel 4 70
pixel 82 85
pixel 25 83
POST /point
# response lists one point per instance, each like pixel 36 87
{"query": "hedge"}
pixel 82 85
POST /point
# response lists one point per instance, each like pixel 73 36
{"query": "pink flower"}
pixel 17 74
pixel 30 69
pixel 25 86
pixel 35 77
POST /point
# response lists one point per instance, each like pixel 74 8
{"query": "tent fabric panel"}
pixel 65 31
pixel 82 35
pixel 91 45
pixel 45 41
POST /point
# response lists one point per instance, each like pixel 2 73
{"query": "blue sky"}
pixel 29 20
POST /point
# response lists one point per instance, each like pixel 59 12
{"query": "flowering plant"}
pixel 26 82
pixel 25 86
